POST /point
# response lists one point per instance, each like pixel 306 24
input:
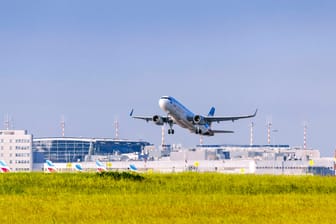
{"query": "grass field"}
pixel 165 198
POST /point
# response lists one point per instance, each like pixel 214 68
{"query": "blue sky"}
pixel 93 61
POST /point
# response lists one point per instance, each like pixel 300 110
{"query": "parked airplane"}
pixel 177 113
pixel 100 167
pixel 4 168
pixel 51 168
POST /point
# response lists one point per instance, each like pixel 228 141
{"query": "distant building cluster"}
pixel 16 149
pixel 21 152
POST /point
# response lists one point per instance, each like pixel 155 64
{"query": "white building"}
pixel 16 150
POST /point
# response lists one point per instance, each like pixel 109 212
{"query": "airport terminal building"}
pixel 77 149
pixel 16 150
pixel 23 153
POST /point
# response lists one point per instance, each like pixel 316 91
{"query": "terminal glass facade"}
pixel 76 149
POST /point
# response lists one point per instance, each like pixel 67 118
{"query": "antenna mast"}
pixel 63 126
pixel 269 125
pixel 7 122
pixel 305 136
pixel 251 134
pixel 116 127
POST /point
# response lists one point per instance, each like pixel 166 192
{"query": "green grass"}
pixel 165 198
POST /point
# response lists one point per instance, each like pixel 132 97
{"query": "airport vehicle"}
pixel 178 114
pixel 4 168
pixel 51 168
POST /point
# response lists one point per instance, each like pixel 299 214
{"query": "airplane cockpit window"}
pixel 167 98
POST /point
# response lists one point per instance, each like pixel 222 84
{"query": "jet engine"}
pixel 157 120
pixel 198 119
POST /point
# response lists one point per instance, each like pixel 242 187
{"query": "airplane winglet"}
pixel 131 114
pixel 255 113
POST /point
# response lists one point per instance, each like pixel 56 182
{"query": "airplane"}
pixel 4 168
pixel 178 114
pixel 100 167
pixel 51 168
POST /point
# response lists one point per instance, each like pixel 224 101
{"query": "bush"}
pixel 122 175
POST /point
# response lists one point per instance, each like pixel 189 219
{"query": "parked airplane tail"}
pixel 4 168
pixel 100 166
pixel 78 167
pixel 133 168
pixel 51 168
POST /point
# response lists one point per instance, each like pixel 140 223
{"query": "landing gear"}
pixel 170 131
pixel 198 131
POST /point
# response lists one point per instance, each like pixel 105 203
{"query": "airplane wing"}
pixel 156 118
pixel 143 118
pixel 221 131
pixel 146 118
pixel 228 118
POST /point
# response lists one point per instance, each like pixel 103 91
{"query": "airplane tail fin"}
pixel 78 167
pixel 133 168
pixel 51 168
pixel 100 167
pixel 4 168
pixel 211 112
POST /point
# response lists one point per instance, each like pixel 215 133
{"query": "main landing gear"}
pixel 198 131
pixel 170 131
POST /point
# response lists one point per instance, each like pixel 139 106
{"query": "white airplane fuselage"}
pixel 181 115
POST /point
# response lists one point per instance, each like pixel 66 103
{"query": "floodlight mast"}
pixel 63 126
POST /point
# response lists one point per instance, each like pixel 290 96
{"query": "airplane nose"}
pixel 163 104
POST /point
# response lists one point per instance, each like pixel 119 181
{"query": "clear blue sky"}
pixel 93 61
